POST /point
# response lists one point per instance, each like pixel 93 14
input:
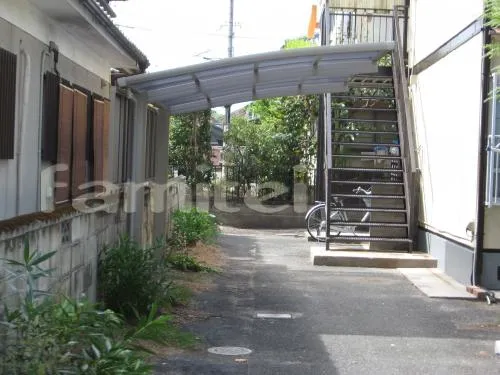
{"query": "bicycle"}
pixel 316 217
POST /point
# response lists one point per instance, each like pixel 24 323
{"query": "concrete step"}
pixel 434 283
pixel 370 259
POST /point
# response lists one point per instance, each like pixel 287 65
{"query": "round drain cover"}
pixel 229 350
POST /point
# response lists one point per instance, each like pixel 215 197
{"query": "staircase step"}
pixel 366 144
pixel 370 196
pixel 370 97
pixel 352 182
pixel 369 224
pixel 370 85
pixel 358 257
pixel 368 239
pixel 366 120
pixel 381 157
pixel 335 131
pixel 370 209
pixel 360 109
pixel 353 169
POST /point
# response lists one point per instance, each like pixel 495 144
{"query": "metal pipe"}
pixel 482 162
pixel 491 142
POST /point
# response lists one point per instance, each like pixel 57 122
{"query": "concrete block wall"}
pixel 77 238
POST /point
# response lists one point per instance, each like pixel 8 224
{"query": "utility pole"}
pixel 230 53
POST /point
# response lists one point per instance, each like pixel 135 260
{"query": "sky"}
pixel 178 33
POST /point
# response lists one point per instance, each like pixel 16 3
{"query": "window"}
pixel 50 117
pixel 493 169
pixel 125 134
pixel 8 67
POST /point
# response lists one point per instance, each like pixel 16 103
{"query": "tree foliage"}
pixel 190 148
pixel 298 43
pixel 280 137
pixel 493 20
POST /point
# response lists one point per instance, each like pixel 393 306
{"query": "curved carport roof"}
pixel 313 70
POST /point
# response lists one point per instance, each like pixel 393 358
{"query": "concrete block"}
pixel 370 259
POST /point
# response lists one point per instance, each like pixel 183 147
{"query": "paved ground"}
pixel 345 320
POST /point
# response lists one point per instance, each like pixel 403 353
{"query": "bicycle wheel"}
pixel 316 222
pixel 336 217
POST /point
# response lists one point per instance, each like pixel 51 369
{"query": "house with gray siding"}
pixel 70 141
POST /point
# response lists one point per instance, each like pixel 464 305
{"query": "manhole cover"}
pixel 229 350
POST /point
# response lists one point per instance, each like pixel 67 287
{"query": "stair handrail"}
pixel 406 121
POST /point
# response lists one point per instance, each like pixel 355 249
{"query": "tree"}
pixel 281 136
pixel 493 20
pixel 298 43
pixel 190 148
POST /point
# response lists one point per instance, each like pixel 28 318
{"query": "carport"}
pixel 305 71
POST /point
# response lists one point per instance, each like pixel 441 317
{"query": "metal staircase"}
pixel 366 152
pixel 370 144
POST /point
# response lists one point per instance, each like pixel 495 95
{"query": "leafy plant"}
pixel 49 335
pixel 179 295
pixel 194 225
pixel 186 262
pixel 132 279
pixel 27 273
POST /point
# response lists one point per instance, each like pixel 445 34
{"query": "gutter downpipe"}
pixel 483 160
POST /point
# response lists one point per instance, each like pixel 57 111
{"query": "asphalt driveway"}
pixel 329 320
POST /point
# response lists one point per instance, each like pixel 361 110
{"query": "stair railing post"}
pixel 405 117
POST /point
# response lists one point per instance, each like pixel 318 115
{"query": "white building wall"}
pixel 433 22
pixel 447 109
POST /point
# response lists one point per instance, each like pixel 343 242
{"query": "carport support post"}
pixel 160 197
pixel 135 190
pixel 328 161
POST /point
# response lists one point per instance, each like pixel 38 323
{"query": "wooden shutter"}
pixel 8 67
pixel 80 120
pixel 64 146
pixel 98 143
pixel 50 127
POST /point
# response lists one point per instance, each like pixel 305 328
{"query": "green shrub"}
pixel 131 278
pixel 193 225
pixel 49 335
pixel 179 295
pixel 186 262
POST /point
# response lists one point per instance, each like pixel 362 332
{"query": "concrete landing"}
pixel 370 259
pixel 436 284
